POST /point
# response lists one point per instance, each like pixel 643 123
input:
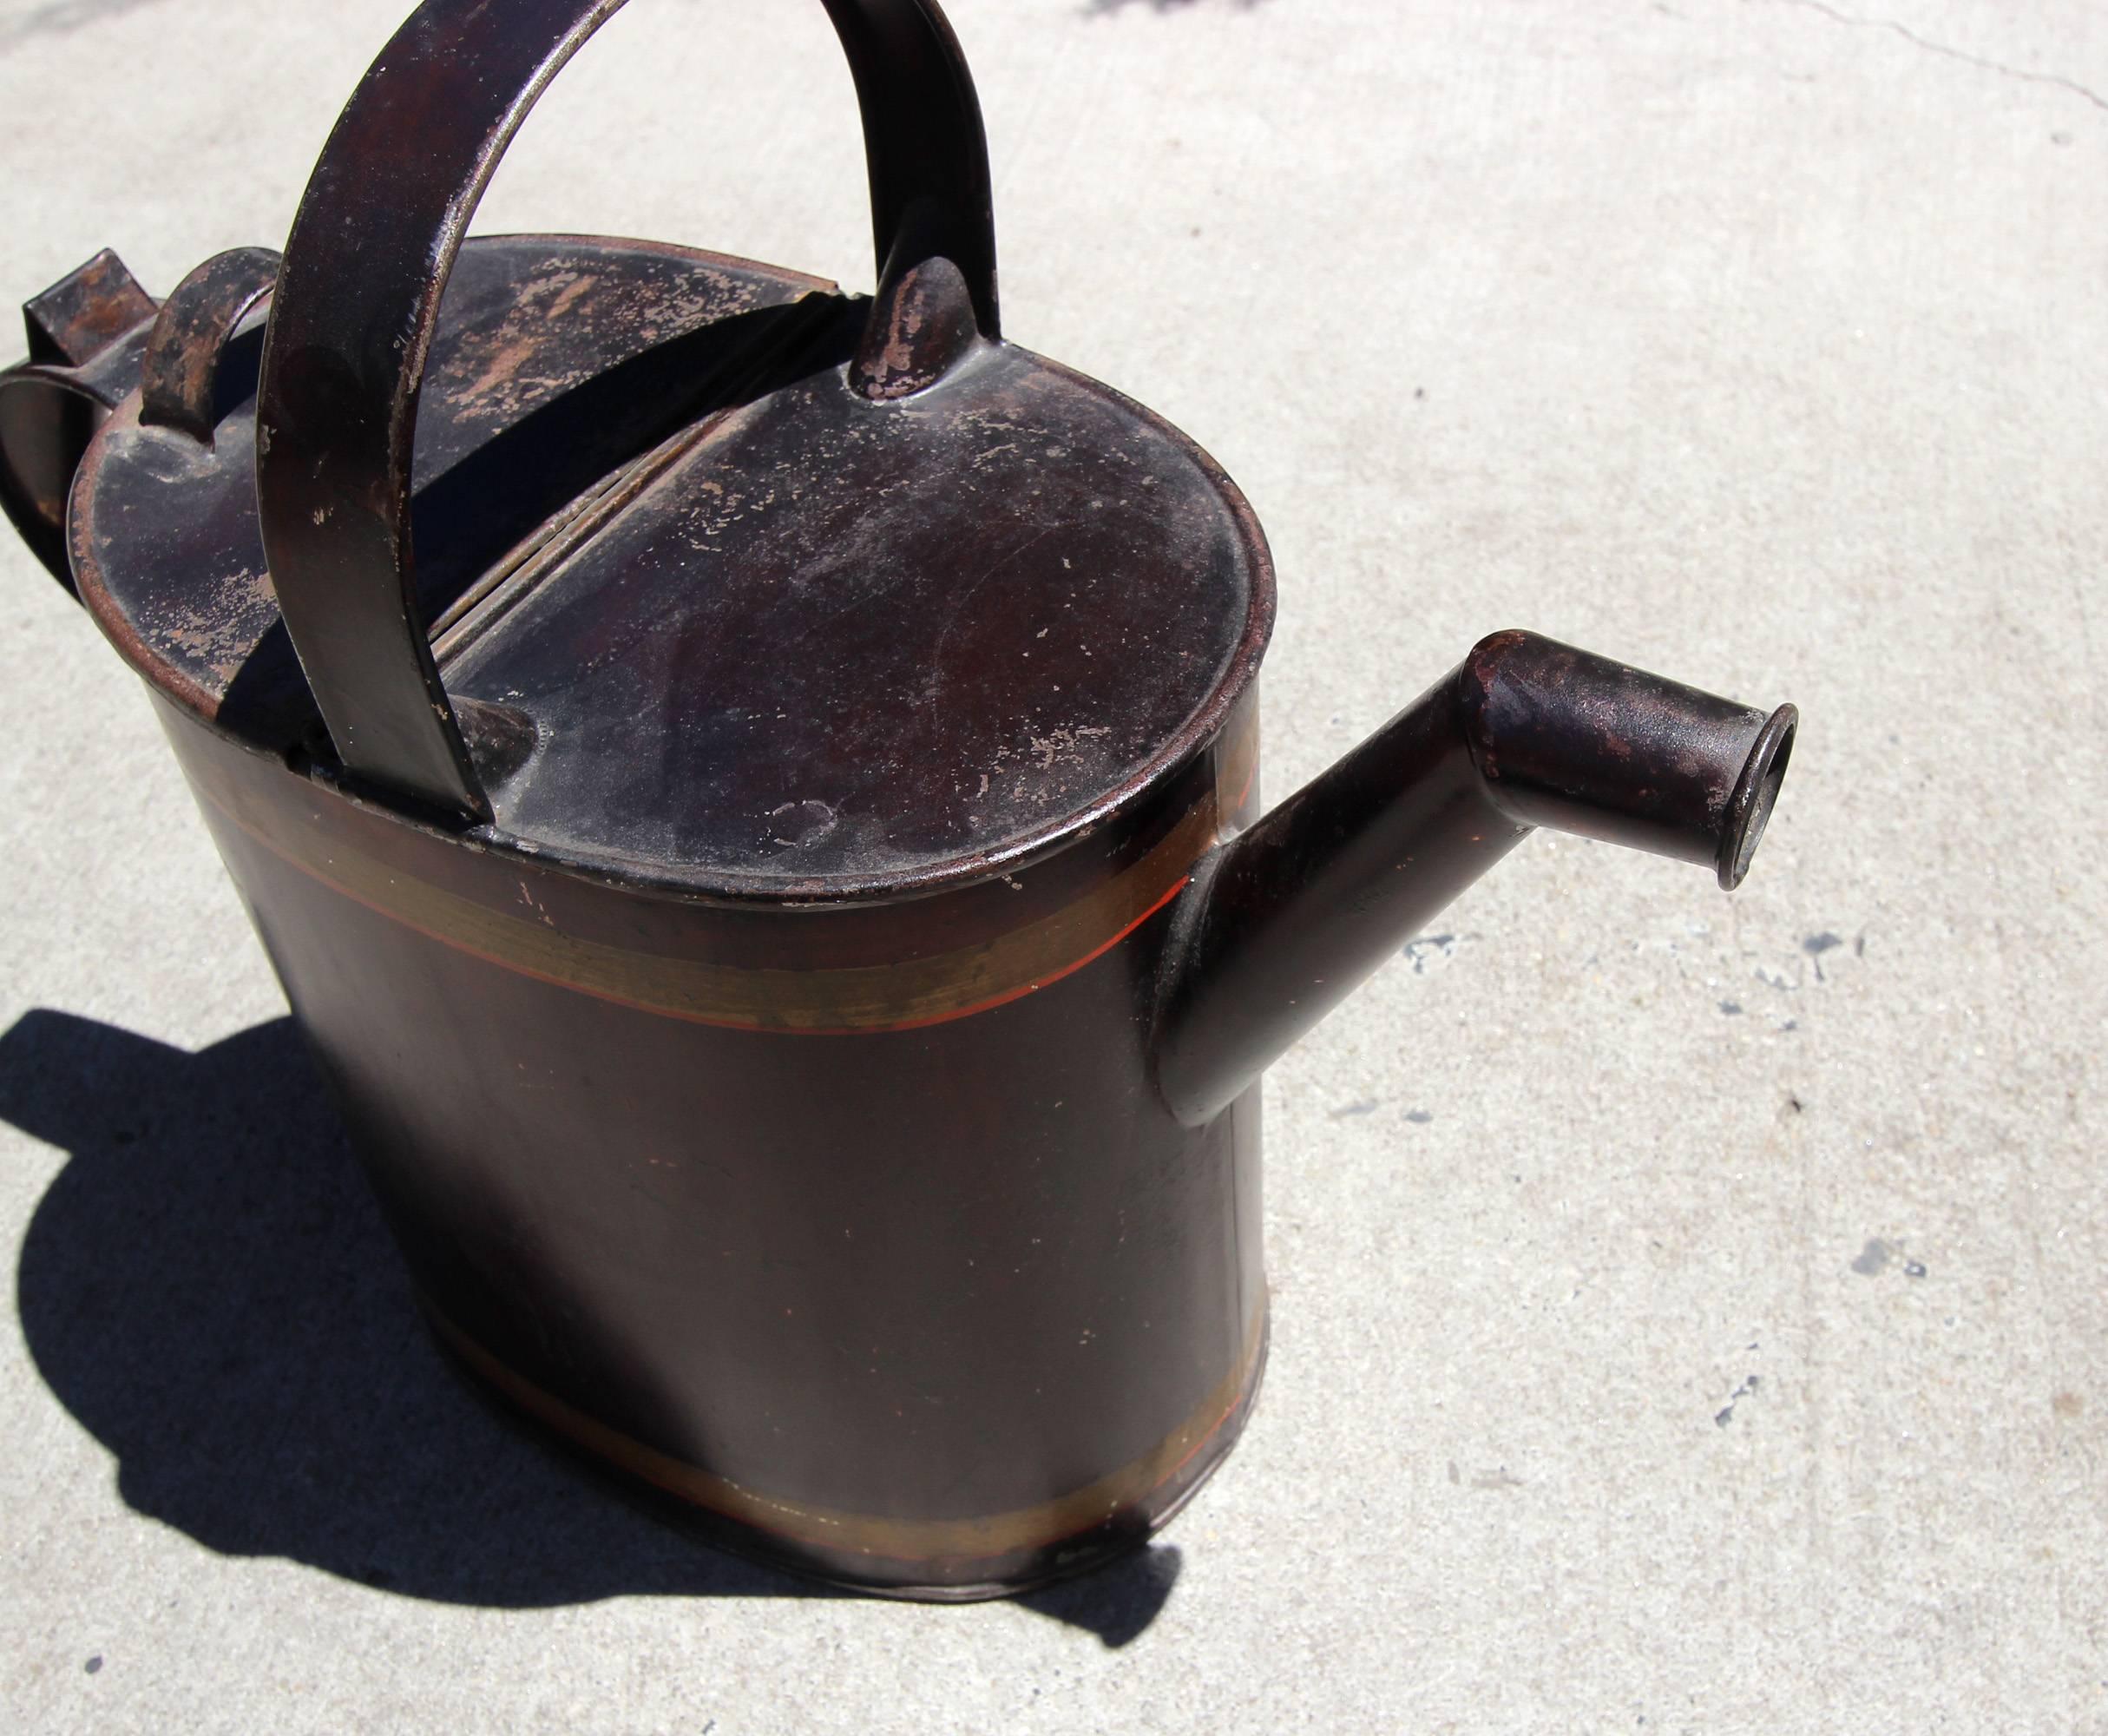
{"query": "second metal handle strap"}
pixel 357 301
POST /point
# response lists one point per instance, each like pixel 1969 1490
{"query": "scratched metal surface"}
pixel 1686 1310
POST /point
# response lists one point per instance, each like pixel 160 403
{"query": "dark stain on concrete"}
pixel 1873 1259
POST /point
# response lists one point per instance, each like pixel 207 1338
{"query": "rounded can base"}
pixel 945 1574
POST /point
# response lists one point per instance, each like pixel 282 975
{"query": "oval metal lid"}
pixel 709 615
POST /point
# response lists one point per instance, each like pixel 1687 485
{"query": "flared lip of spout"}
pixel 1755 793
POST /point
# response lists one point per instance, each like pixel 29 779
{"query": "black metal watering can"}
pixel 751 793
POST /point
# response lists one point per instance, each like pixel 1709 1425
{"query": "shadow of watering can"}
pixel 776 881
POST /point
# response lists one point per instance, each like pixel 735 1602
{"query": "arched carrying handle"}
pixel 358 300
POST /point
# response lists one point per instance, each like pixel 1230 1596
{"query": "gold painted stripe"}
pixel 905 1540
pixel 899 995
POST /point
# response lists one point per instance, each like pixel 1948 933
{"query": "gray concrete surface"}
pixel 1690 1313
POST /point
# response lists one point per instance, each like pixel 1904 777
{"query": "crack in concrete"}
pixel 62 15
pixel 1099 9
pixel 1941 48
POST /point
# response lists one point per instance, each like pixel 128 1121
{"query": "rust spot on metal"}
pixel 179 371
pixel 85 311
pixel 921 325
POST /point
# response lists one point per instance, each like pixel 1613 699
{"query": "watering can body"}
pixel 753 796
pixel 860 1233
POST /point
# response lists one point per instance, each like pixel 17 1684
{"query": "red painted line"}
pixel 1009 994
pixel 665 1472
pixel 613 999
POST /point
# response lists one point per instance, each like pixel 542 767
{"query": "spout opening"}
pixel 1755 793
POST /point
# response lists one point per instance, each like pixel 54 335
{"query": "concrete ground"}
pixel 1690 1313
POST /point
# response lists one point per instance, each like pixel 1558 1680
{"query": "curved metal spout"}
pixel 1288 918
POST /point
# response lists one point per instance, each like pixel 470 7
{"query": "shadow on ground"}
pixel 208 1288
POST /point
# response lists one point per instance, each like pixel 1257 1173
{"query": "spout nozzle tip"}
pixel 1755 791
